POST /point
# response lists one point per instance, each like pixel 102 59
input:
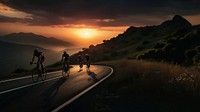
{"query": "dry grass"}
pixel 150 77
pixel 143 86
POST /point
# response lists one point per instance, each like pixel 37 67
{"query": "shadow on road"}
pixel 93 76
pixel 53 89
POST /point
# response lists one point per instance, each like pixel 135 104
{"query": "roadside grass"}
pixel 143 86
pixel 153 77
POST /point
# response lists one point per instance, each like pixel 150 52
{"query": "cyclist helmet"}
pixel 36 50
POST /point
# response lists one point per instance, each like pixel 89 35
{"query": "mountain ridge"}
pixel 173 41
pixel 33 39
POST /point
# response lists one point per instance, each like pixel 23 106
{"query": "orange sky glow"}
pixel 80 34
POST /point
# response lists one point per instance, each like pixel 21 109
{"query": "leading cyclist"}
pixel 65 60
pixel 40 59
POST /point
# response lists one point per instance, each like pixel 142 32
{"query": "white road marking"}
pixel 25 77
pixel 83 92
pixel 21 87
pixel 32 84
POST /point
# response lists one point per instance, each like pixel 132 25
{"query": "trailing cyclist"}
pixel 80 61
pixel 65 60
pixel 87 60
pixel 40 59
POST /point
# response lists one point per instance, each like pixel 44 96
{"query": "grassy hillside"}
pixel 173 41
pixel 143 86
pixel 154 77
pixel 149 75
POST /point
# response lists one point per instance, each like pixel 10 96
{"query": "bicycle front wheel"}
pixel 44 74
pixel 35 75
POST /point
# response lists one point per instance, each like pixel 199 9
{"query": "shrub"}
pixel 139 48
pixel 145 42
pixel 159 45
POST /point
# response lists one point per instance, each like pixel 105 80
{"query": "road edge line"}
pixel 83 92
pixel 24 77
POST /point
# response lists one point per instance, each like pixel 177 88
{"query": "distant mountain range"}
pixel 36 40
pixel 17 50
pixel 173 41
pixel 14 56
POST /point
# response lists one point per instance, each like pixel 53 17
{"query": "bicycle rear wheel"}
pixel 35 75
pixel 88 69
pixel 65 73
pixel 44 74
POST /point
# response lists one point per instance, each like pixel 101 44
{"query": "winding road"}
pixel 56 92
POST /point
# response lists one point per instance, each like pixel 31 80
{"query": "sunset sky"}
pixel 86 22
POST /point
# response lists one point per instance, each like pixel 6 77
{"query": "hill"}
pixel 173 41
pixel 36 40
pixel 14 56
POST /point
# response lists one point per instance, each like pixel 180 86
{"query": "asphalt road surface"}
pixel 22 95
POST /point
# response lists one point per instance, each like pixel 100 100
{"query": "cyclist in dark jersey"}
pixel 40 58
pixel 80 61
pixel 65 59
pixel 87 60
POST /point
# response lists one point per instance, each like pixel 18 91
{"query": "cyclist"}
pixel 40 60
pixel 65 59
pixel 80 61
pixel 87 60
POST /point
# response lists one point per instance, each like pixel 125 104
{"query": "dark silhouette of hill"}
pixel 36 40
pixel 14 56
pixel 174 41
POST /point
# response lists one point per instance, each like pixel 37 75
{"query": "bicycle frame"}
pixel 38 72
pixel 65 70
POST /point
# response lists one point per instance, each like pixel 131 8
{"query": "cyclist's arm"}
pixel 33 59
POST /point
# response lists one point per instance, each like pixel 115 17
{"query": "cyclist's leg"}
pixel 39 68
pixel 88 64
pixel 64 66
pixel 80 65
pixel 67 65
pixel 42 64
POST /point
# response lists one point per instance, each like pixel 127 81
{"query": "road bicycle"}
pixel 65 71
pixel 80 66
pixel 88 68
pixel 39 72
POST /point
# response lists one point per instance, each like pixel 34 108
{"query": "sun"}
pixel 86 33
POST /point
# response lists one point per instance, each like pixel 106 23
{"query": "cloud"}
pixel 102 12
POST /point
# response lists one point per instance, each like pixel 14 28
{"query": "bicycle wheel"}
pixel 35 75
pixel 65 73
pixel 80 64
pixel 88 69
pixel 44 74
pixel 68 72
